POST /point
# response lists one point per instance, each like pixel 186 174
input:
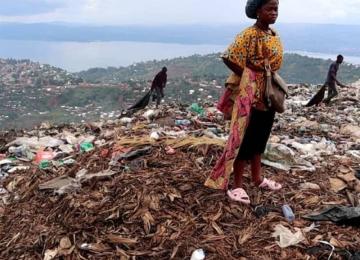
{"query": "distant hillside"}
pixel 31 93
pixel 296 69
pixel 26 73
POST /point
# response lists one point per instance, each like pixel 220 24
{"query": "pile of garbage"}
pixel 132 188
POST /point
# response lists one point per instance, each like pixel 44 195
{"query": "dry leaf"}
pixel 217 228
pixel 65 243
pixel 174 252
pixel 313 200
pixel 148 221
pixel 98 247
pixel 246 234
pixel 336 243
pixel 121 240
pixel 337 185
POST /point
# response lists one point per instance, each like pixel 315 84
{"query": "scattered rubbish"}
pixel 22 151
pixel 86 147
pixel 128 185
pixel 45 164
pixel 351 130
pixel 135 153
pixel 155 136
pixel 44 156
pixel 18 168
pixel 281 157
pixel 288 238
pixel 151 114
pixel 183 122
pixel 50 254
pixel 288 213
pixel 341 215
pixel 66 148
pixel 309 186
pixel 332 248
pixel 196 108
pixel 61 185
pixel 169 150
pixel 198 254
pixel 125 120
pixel 261 210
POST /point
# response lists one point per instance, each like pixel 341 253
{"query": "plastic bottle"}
pixel 198 254
pixel 288 213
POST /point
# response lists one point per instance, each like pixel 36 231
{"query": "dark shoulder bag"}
pixel 276 89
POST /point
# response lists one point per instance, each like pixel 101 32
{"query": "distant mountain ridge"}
pixel 322 38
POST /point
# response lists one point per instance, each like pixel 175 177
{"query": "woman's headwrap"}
pixel 252 6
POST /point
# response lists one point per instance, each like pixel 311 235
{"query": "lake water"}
pixel 76 56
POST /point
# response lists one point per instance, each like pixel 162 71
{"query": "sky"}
pixel 167 12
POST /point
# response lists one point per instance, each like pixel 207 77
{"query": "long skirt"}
pixel 249 130
pixel 257 134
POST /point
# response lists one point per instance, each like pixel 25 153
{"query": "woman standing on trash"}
pixel 251 120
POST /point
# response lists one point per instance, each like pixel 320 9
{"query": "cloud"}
pixel 152 12
pixel 27 7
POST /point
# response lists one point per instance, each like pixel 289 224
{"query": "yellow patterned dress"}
pixel 249 51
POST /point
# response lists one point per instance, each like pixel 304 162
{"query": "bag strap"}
pixel 267 67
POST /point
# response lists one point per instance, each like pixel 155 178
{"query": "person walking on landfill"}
pixel 158 85
pixel 251 119
pixel 332 80
pixel 330 85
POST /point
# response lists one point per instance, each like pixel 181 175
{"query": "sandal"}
pixel 239 195
pixel 270 185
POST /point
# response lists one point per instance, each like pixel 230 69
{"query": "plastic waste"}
pixel 182 122
pixel 196 108
pixel 169 150
pixel 198 254
pixel 288 238
pixel 261 210
pixel 288 213
pixel 340 215
pixel 151 114
pixel 44 155
pixel 69 161
pixel 155 136
pixel 18 168
pixel 86 147
pixel 21 151
pixel 125 120
pixel 133 154
pixel 45 164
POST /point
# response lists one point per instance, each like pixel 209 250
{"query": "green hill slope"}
pixel 296 69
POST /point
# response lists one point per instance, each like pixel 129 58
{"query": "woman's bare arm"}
pixel 232 66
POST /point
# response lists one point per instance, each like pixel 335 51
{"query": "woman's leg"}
pixel 256 175
pixel 256 169
pixel 239 167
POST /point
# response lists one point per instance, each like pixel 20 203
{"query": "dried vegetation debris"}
pixel 129 198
